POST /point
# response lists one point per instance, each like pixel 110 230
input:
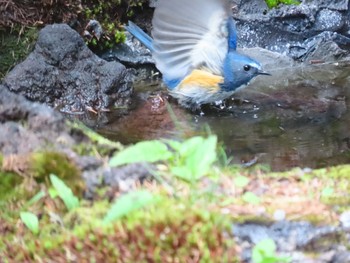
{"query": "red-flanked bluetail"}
pixel 194 46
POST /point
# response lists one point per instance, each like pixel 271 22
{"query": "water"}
pixel 297 117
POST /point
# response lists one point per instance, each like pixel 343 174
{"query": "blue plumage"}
pixel 232 34
pixel 194 45
pixel 140 35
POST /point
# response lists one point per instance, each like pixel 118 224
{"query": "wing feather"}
pixel 189 34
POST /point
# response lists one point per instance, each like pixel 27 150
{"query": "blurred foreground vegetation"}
pixel 183 212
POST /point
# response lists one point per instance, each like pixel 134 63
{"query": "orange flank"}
pixel 202 79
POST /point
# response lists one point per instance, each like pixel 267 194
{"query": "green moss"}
pixel 104 12
pixel 35 168
pixel 8 182
pixel 172 229
pixel 45 163
pixel 15 47
pixel 275 3
pixel 337 172
pixel 111 15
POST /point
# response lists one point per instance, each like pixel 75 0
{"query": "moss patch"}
pixel 169 231
pixel 15 47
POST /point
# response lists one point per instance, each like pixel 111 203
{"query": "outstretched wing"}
pixel 191 34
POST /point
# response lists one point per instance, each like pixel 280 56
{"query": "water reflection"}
pixel 297 117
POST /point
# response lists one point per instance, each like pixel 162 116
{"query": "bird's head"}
pixel 239 70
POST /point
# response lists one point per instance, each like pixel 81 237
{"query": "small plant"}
pixel 64 192
pixel 31 221
pixel 108 15
pixel 188 160
pixel 147 151
pixel 194 157
pixel 265 252
pixel 129 203
pixel 251 198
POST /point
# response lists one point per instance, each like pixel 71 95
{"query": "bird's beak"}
pixel 260 72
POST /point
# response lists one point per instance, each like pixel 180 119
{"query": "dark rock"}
pixel 132 53
pixel 26 126
pixel 122 179
pixel 292 27
pixel 293 30
pixel 324 47
pixel 62 72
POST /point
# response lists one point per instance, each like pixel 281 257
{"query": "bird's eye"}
pixel 246 67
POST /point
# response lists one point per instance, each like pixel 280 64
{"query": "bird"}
pixel 194 45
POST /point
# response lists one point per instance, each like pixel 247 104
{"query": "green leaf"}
pixel 241 181
pixel 272 3
pixel 52 193
pixel 251 198
pixel 275 3
pixel 36 197
pixel 290 2
pixel 182 172
pixel 265 252
pixel 64 192
pixel 195 157
pixel 129 203
pixel 31 221
pixel 174 144
pixel 147 151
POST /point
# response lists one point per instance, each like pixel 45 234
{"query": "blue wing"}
pixel 191 34
pixel 232 34
pixel 140 35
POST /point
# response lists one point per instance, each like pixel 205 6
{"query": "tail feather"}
pixel 140 35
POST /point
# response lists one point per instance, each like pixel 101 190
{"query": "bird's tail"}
pixel 140 35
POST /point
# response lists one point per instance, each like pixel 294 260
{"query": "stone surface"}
pixel 289 28
pixel 26 126
pixel 293 238
pixel 62 72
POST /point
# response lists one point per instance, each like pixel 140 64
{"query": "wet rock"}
pixel 329 20
pixel 297 31
pixel 131 53
pixel 323 47
pixel 62 72
pixel 292 26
